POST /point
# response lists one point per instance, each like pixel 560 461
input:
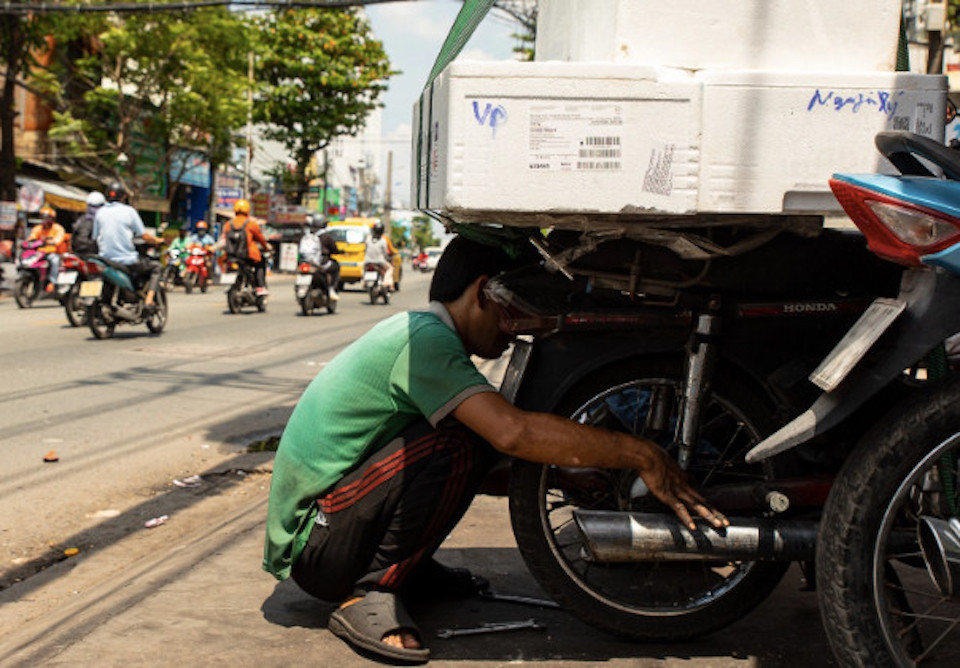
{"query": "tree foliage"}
pixel 320 73
pixel 150 87
pixel 422 233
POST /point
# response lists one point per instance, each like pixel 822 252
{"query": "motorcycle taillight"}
pixel 305 268
pixel 94 268
pixel 896 229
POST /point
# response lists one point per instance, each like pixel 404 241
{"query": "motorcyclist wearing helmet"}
pixel 317 247
pixel 379 251
pixel 82 240
pixel 115 227
pixel 202 237
pixel 255 241
pixel 51 235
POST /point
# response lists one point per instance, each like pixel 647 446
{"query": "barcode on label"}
pixel 601 141
pixel 599 153
pixel 598 164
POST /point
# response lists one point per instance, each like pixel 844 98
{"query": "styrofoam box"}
pixel 512 136
pixel 771 140
pixel 508 138
pixel 795 35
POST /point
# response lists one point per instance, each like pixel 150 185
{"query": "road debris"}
pixel 190 481
pixel 525 600
pixel 492 627
pixel 156 521
pixel 51 457
pixel 71 552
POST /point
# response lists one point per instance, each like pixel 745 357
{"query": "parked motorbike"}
pixel 173 269
pixel 373 283
pixel 697 333
pixel 888 552
pixel 312 289
pixel 33 270
pixel 239 275
pixel 196 272
pixel 74 270
pixel 114 298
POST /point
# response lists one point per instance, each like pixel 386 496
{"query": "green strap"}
pixel 462 29
pixel 903 53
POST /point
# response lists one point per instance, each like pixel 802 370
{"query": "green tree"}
pixel 422 233
pixel 150 87
pixel 320 72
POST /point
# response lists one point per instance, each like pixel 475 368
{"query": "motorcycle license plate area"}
pixel 227 279
pixel 856 342
pixel 304 279
pixel 66 278
pixel 91 288
pixel 370 276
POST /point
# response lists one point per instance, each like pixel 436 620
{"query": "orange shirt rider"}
pixel 255 238
pixel 49 231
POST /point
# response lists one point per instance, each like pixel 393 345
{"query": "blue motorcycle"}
pixel 112 297
pixel 888 548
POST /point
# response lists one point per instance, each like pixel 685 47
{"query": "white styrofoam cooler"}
pixel 500 140
pixel 794 35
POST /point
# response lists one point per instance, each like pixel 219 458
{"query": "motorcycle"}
pixel 887 560
pixel 74 270
pixel 33 270
pixel 312 289
pixel 705 353
pixel 173 269
pixel 196 272
pixel 373 283
pixel 114 298
pixel 239 275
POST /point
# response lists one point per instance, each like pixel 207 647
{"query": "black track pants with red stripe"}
pixel 392 512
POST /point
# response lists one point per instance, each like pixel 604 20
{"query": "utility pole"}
pixel 388 194
pixel 249 156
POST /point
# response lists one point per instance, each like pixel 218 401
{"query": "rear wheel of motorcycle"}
pixel 158 319
pixel 233 300
pixel 97 319
pixel 879 605
pixel 73 305
pixel 331 305
pixel 662 601
pixel 24 291
pixel 306 305
pixel 261 304
pixel 373 295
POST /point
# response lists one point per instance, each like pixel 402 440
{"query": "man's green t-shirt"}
pixel 410 366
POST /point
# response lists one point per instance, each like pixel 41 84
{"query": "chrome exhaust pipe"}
pixel 627 537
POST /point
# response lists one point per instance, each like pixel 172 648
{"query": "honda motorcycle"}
pixel 173 269
pixel 373 283
pixel 312 289
pixel 888 552
pixel 239 275
pixel 196 273
pixel 33 272
pixel 697 333
pixel 114 298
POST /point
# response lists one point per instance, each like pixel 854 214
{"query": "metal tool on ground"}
pixel 524 600
pixel 492 627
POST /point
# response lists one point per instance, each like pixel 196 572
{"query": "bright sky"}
pixel 412 34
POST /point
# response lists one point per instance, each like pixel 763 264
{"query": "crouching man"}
pixel 389 443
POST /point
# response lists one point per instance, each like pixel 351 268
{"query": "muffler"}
pixel 626 537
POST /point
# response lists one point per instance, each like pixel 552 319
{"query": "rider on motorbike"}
pixel 115 227
pixel 82 240
pixel 317 247
pixel 52 235
pixel 255 241
pixel 379 251
pixel 202 237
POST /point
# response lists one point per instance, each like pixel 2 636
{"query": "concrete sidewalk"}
pixel 191 592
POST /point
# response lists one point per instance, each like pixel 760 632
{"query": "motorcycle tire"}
pixel 233 300
pixel 879 605
pixel 306 305
pixel 373 295
pixel 25 291
pixel 189 281
pixel 158 319
pixel 202 282
pixel 331 306
pixel 98 319
pixel 662 601
pixel 74 307
pixel 261 304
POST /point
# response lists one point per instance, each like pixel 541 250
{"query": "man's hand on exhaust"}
pixel 668 482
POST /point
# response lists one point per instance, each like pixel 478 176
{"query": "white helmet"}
pixel 96 199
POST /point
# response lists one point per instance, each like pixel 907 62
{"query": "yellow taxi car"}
pixel 350 235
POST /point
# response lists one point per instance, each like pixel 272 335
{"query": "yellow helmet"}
pixel 48 212
pixel 201 225
pixel 241 206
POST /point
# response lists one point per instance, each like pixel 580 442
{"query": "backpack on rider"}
pixel 235 242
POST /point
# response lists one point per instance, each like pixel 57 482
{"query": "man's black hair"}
pixel 462 262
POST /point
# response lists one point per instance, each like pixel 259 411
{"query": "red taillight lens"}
pixel 305 268
pixel 896 230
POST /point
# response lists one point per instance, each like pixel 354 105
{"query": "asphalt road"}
pixel 128 415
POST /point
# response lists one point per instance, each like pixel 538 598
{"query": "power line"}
pixel 24 8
